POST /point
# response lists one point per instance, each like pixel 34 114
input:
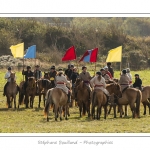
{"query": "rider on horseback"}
pixel 7 76
pixel 61 82
pixel 27 73
pixel 104 75
pixel 124 80
pixel 69 71
pixel 37 72
pixel 86 77
pixel 138 82
pixel 98 82
pixel 52 75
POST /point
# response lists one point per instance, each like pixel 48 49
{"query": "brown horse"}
pixel 11 91
pixel 59 98
pixel 30 91
pixel 130 96
pixel 43 85
pixel 82 97
pixel 146 98
pixel 99 99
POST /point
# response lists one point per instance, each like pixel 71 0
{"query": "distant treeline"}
pixel 53 36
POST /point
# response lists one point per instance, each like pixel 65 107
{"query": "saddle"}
pixel 125 89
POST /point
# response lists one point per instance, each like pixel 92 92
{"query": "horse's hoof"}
pixel 60 119
pixel 55 119
pixel 47 119
pixel 66 118
pixel 68 115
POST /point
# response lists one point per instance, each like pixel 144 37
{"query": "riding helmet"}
pixel 124 71
pixel 136 75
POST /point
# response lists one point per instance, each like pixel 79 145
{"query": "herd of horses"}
pixel 57 99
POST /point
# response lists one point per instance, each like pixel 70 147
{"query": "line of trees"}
pixel 54 35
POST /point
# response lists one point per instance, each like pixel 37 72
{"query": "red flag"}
pixel 90 56
pixel 70 54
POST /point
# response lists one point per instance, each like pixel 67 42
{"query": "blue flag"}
pixel 31 52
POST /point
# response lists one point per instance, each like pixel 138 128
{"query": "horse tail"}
pixel 48 102
pixel 138 100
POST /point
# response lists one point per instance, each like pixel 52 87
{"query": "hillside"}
pixel 53 36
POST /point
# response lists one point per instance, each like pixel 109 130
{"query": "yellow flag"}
pixel 17 50
pixel 115 55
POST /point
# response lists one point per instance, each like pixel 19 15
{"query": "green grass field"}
pixel 32 120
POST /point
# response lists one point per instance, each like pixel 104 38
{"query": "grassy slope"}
pixel 33 121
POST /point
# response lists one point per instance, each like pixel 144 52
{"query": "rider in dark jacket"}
pixel 27 73
pixel 138 82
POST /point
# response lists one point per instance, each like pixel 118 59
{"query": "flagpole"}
pixel 23 68
pixel 95 69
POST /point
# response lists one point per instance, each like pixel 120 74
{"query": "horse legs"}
pixel 60 112
pixel 120 110
pixel 144 108
pixel 109 110
pixel 8 101
pixel 126 110
pixel 27 101
pixel 56 112
pixel 15 102
pixel 133 110
pixel 66 112
pixel 105 111
pixel 80 109
pixel 88 108
pixel 39 99
pixel 114 107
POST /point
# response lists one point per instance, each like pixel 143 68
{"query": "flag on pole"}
pixel 90 56
pixel 70 54
pixel 31 52
pixel 115 55
pixel 17 50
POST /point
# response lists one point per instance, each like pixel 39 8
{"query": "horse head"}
pixel 31 82
pixel 115 88
pixel 78 81
pixel 46 75
pixel 12 76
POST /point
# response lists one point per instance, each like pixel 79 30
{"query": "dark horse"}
pixel 82 97
pixel 11 91
pixel 29 93
pixel 43 86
